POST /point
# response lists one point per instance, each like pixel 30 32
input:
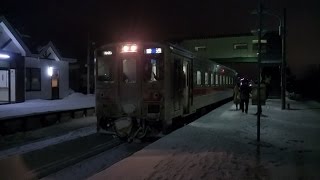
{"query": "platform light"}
pixel 129 48
pixel 4 56
pixel 50 71
pixel 107 53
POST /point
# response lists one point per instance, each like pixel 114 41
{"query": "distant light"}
pixel 107 53
pixel 4 56
pixel 153 51
pixel 50 71
pixel 129 48
pixel 263 41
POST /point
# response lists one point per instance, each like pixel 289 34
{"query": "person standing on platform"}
pixel 244 95
pixel 236 95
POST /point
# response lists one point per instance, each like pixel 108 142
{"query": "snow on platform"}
pixel 71 102
pixel 222 145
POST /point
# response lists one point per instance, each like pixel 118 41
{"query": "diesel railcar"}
pixel 142 86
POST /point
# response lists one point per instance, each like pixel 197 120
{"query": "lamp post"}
pixel 283 60
pixel 259 68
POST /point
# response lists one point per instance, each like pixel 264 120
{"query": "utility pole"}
pixel 88 65
pixel 259 68
pixel 283 62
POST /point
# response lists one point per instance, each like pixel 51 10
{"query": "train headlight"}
pixel 125 48
pixel 134 48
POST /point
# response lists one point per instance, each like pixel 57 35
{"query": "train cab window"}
pixel 198 78
pixel 206 78
pixel 106 69
pixel 129 70
pixel 151 70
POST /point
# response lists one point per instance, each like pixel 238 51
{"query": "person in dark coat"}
pixel 244 95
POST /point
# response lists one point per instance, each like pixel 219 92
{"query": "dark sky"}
pixel 67 23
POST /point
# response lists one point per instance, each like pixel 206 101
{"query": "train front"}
pixel 129 83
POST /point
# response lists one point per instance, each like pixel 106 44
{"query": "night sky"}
pixel 68 23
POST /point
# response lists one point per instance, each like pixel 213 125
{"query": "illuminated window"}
pixel 212 80
pixel 198 78
pixel 200 48
pixel 206 78
pixel 4 78
pixel 240 46
pixel 217 79
pixel 33 79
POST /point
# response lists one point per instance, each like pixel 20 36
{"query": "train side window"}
pixel 217 80
pixel 129 70
pixel 212 80
pixel 198 78
pixel 206 78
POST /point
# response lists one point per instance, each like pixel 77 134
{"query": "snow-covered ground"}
pixel 73 101
pixel 222 145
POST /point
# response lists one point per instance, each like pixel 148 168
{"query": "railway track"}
pixel 43 162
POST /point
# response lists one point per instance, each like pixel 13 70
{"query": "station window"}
pixel 221 80
pixel 206 78
pixel 198 78
pixel 212 80
pixel 240 46
pixel 33 79
pixel 129 70
pixel 200 48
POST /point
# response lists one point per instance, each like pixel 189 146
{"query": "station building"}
pixel 27 73
pixel 240 53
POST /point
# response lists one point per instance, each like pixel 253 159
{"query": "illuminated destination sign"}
pixel 153 51
pixel 106 53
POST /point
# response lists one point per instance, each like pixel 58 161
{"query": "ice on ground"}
pixel 222 145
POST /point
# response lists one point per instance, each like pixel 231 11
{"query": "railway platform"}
pixel 223 145
pixel 34 114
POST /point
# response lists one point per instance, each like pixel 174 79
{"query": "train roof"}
pixel 174 47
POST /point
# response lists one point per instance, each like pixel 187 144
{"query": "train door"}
pixel 4 86
pixel 55 84
pixel 129 83
pixel 186 87
pixel 177 83
pixel 181 84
